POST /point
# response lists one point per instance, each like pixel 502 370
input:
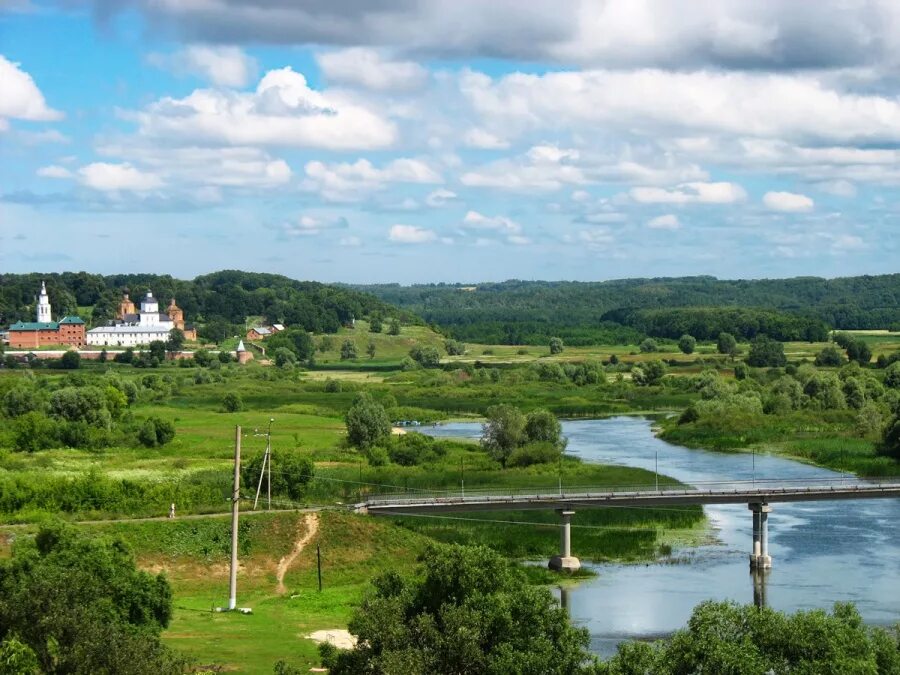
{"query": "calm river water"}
pixel 823 552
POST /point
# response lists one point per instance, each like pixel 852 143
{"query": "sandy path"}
pixel 312 526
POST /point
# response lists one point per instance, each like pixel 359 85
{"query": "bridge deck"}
pixel 575 498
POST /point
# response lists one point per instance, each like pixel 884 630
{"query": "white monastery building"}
pixel 134 328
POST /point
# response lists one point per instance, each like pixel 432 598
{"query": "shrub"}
pixel 232 402
pixel 348 350
pixel 687 344
pixel 155 432
pixel 332 386
pixel 540 452
pixel 71 360
pixel 427 357
pixel 648 346
pixel 829 356
pixel 556 345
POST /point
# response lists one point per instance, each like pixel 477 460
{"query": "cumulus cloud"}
pixel 367 68
pixel 690 193
pixel 543 167
pixel 749 104
pixel 310 225
pixel 787 201
pixel 440 198
pixel 484 140
pixel 667 222
pixel 221 65
pixel 476 221
pixel 666 33
pixel 54 171
pixel 411 234
pixel 111 177
pixel 282 111
pixel 344 182
pixel 20 97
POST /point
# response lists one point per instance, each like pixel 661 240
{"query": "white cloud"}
pixel 350 241
pixel 111 177
pixel 54 171
pixel 750 104
pixel 353 182
pixel 484 140
pixel 543 167
pixel 20 97
pixel 595 239
pixel 847 242
pixel 307 225
pixel 282 111
pixel 476 221
pixel 410 234
pixel 440 198
pixel 368 69
pixel 787 201
pixel 221 65
pixel 690 193
pixel 667 222
pixel 838 188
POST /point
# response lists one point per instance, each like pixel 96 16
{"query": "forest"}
pixel 618 311
pixel 220 301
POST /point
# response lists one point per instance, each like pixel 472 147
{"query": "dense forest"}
pixel 219 301
pixel 515 312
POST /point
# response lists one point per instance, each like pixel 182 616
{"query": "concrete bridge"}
pixel 759 495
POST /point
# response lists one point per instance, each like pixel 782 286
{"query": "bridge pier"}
pixel 759 557
pixel 565 560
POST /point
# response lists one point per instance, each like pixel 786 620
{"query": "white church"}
pixel 136 329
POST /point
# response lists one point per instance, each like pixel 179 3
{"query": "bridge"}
pixel 759 495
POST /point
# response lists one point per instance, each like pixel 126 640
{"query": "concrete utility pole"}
pixel 235 505
pixel 266 468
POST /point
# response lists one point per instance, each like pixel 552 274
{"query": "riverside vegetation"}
pixel 123 440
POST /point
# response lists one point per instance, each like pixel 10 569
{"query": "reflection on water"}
pixel 823 552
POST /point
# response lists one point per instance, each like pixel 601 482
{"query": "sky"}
pixel 410 141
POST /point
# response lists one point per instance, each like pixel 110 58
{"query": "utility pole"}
pixel 235 505
pixel 656 470
pixel 266 468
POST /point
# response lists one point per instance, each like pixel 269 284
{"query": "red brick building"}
pixel 33 334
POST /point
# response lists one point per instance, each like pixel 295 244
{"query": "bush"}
pixel 332 386
pixel 829 357
pixel 367 422
pixel 454 347
pixel 687 344
pixel 348 350
pixel 71 360
pixel 155 432
pixel 291 473
pixel 648 346
pixel 125 357
pixel 860 352
pixel 427 357
pixel 540 452
pixel 284 358
pixel 232 402
pixel 556 345
pixel 766 353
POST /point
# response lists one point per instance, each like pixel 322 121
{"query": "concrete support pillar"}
pixel 565 560
pixel 760 577
pixel 760 555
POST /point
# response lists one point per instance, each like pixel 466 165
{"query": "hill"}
pixel 529 312
pixel 220 301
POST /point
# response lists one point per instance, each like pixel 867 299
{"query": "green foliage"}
pixel 71 360
pixel 291 473
pixel 648 373
pixel 295 340
pixel 394 327
pixel 726 344
pixel 649 346
pixel 332 386
pixel 829 357
pixel 466 611
pixel 232 402
pixel 543 426
pixel 175 341
pixel 741 371
pixel 427 357
pixel 687 344
pixel 375 325
pixel 81 606
pixel 503 431
pixel 890 443
pixel 284 357
pixel 155 432
pixel 24 399
pixel 348 350
pixel 454 347
pixel 766 353
pixel 892 376
pixel 414 449
pixel 367 422
pixel 723 637
pixel 371 348
pixel 860 352
pixel 540 452
pixel 556 345
pixel 17 658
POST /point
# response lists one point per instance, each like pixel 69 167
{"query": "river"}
pixel 822 552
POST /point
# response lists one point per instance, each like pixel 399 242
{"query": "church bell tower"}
pixel 43 306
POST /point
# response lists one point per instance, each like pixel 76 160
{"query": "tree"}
pixel 860 352
pixel 232 402
pixel 829 356
pixel 157 350
pixel 890 441
pixel 726 344
pixel 723 637
pixel 348 350
pixel 126 356
pixel 842 339
pixel 427 357
pixel 454 347
pixel 765 352
pixel 291 473
pixel 104 356
pixel 80 605
pixel 71 360
pixel 648 346
pixel 687 344
pixel 892 376
pixel 648 373
pixel 297 340
pixel 503 432
pixel 367 422
pixel 741 371
pixel 155 432
pixel 556 345
pixel 543 426
pixel 394 327
pixel 370 349
pixel 175 341
pixel 375 325
pixel 284 357
pixel 467 610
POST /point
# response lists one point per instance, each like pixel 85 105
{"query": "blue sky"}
pixel 420 141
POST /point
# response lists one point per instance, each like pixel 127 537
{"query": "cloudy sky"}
pixel 426 140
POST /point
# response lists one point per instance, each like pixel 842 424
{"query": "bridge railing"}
pixel 570 492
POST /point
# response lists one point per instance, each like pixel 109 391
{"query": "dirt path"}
pixel 312 526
